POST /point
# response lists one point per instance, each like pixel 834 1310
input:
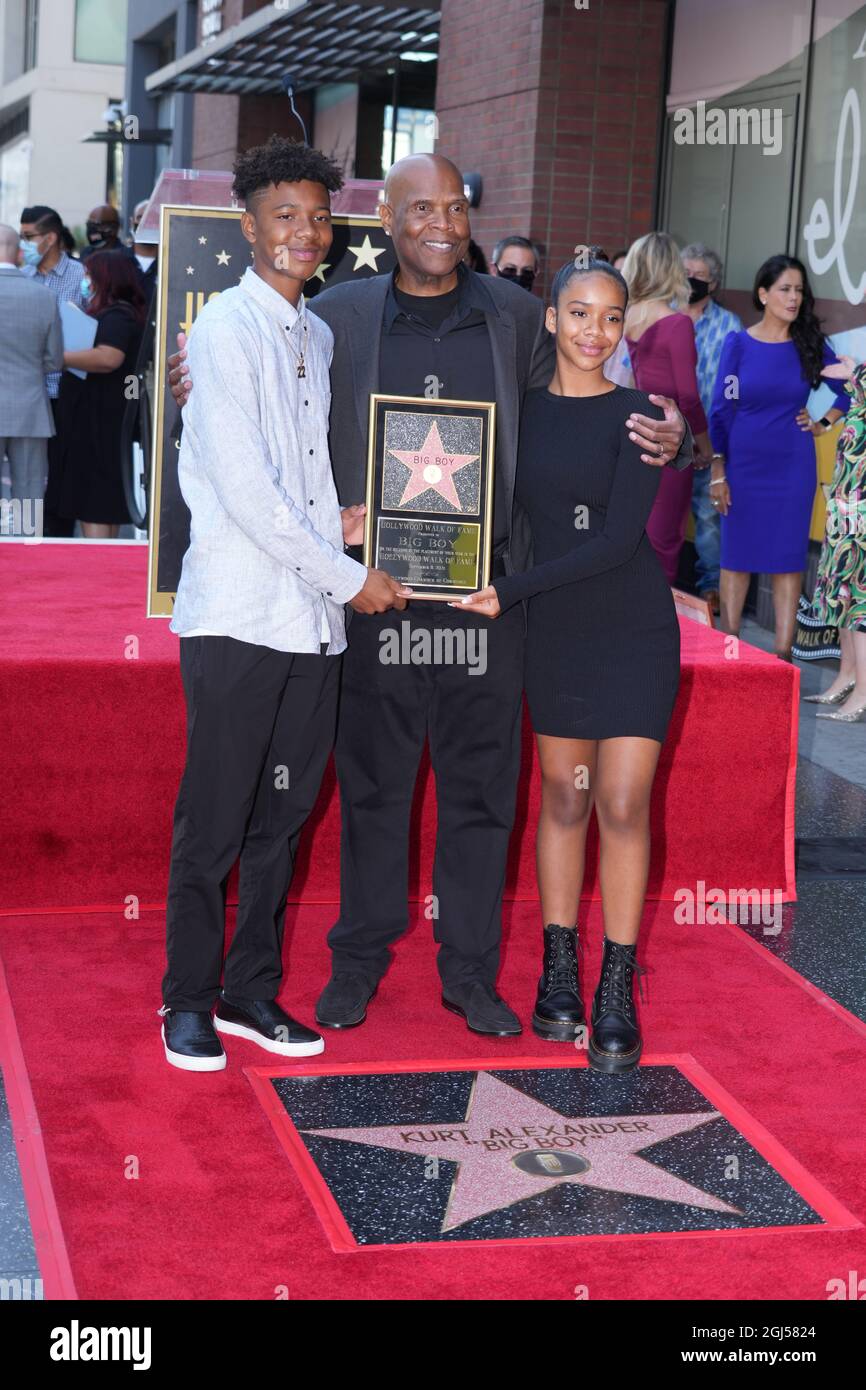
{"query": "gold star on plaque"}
pixel 366 254
pixel 320 273
pixel 223 258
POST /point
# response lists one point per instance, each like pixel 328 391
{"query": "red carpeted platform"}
pixel 94 733
pixel 175 1186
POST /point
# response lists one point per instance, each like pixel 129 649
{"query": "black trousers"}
pixel 260 727
pixel 473 723
pixel 53 524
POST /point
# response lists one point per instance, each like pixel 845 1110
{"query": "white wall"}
pixel 66 101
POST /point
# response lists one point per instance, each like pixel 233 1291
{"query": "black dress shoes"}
pixel 615 1045
pixel 263 1022
pixel 559 1011
pixel 483 1010
pixel 190 1041
pixel 343 1002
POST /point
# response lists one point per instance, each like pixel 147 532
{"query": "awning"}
pixel 317 41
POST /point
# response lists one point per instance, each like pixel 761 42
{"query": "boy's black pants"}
pixel 260 726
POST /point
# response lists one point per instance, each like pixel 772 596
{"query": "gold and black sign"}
pixel 203 252
pixel 430 493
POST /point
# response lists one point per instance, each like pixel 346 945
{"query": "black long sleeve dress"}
pixel 603 641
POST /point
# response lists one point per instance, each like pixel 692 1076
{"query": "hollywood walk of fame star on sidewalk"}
pixel 488 1179
pixel 430 467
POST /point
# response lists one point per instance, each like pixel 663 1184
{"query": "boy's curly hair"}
pixel 282 161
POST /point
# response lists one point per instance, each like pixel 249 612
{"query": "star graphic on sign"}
pixel 366 254
pixel 431 467
pixel 190 270
pixel 597 1151
pixel 320 273
pixel 223 258
pixel 202 241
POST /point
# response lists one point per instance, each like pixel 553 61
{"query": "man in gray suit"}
pixel 31 345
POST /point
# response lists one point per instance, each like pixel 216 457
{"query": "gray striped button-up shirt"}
pixel 265 562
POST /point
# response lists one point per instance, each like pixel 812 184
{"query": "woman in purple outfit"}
pixel 764 472
pixel 661 346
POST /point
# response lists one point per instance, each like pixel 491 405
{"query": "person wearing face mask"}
pixel 144 252
pixel 43 241
pixel 102 230
pixel 31 344
pixel 91 408
pixel 516 258
pixel 712 325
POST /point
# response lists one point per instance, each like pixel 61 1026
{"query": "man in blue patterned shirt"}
pixel 46 261
pixel 712 325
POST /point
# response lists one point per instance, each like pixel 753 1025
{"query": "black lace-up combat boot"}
pixel 559 1011
pixel 615 1045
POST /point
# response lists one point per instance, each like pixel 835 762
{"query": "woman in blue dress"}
pixel 764 471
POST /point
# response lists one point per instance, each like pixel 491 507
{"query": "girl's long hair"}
pixel 806 333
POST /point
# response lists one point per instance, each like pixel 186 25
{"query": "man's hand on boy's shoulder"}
pixel 178 373
pixel 353 523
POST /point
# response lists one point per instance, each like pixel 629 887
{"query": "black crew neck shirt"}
pixel 432 309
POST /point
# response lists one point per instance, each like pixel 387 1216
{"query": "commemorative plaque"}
pixel 430 493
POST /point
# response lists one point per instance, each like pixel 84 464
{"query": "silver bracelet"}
pixel 713 481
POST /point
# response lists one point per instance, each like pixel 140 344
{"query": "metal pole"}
pixel 395 101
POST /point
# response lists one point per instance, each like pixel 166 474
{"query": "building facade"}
pixel 573 112
pixel 61 84
pixel 158 31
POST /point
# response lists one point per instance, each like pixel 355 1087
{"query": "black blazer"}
pixel 523 357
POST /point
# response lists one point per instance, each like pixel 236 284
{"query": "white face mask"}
pixel 145 261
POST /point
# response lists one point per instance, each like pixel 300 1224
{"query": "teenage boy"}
pixel 259 612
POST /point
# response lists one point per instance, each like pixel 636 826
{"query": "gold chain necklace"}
pixel 299 357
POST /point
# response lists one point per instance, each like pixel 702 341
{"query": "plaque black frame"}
pixel 377 511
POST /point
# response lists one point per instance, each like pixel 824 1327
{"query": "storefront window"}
pixel 31 33
pixel 14 179
pixel 415 134
pixel 100 31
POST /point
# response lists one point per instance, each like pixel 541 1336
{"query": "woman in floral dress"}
pixel 840 591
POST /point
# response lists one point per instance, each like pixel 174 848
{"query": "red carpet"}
pixel 217 1211
pixel 94 734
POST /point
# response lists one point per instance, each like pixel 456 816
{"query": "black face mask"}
pixel 99 232
pixel 524 278
pixel 700 290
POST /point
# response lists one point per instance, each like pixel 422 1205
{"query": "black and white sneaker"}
pixel 262 1021
pixel 190 1041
